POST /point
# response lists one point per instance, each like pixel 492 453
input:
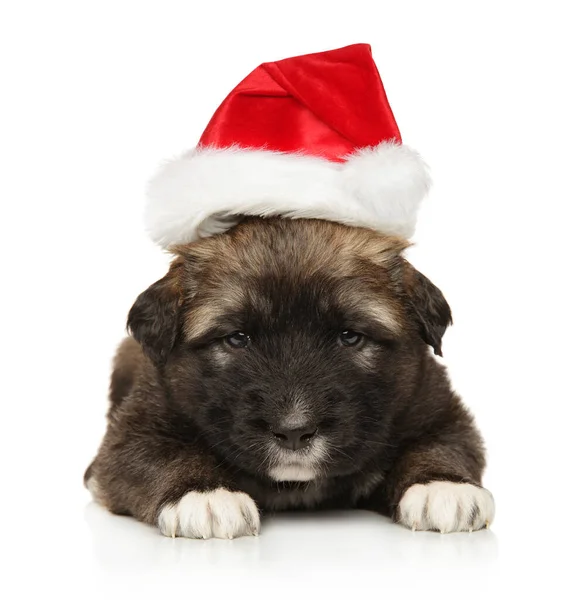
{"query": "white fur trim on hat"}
pixel 203 192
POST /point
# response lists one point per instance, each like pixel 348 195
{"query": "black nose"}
pixel 293 439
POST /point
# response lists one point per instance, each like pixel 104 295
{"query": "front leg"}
pixel 437 486
pixel 173 485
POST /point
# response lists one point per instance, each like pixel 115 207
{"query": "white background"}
pixel 95 94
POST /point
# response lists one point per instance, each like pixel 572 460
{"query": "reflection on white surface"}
pixel 293 543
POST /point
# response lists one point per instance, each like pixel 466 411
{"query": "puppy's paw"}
pixel 444 506
pixel 219 514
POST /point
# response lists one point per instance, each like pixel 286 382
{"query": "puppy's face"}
pixel 291 344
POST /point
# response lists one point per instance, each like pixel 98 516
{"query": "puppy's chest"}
pixel 341 492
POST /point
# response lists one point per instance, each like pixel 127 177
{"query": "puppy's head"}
pixel 291 344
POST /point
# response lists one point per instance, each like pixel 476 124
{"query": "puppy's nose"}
pixel 294 439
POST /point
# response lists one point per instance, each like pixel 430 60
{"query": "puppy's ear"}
pixel 154 319
pixel 429 306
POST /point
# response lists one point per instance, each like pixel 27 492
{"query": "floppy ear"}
pixel 429 307
pixel 154 319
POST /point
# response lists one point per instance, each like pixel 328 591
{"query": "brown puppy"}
pixel 293 351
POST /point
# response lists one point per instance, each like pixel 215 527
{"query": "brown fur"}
pixel 157 447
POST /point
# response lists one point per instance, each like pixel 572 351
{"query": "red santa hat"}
pixel 311 136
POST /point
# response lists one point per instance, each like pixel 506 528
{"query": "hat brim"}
pixel 207 190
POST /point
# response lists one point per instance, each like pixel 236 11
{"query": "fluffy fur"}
pixel 195 423
pixel 219 514
pixel 446 507
pixel 203 192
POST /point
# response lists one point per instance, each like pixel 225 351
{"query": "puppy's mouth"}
pixel 297 465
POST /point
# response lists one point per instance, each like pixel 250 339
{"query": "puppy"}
pixel 285 364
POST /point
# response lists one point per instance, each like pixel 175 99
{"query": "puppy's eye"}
pixel 237 340
pixel 350 338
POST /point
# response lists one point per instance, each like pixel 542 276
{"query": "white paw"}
pixel 218 514
pixel 445 506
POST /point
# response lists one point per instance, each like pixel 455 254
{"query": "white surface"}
pixel 96 94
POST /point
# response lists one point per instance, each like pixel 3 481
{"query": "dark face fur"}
pixel 289 347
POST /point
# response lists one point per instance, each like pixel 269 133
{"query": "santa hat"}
pixel 311 136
